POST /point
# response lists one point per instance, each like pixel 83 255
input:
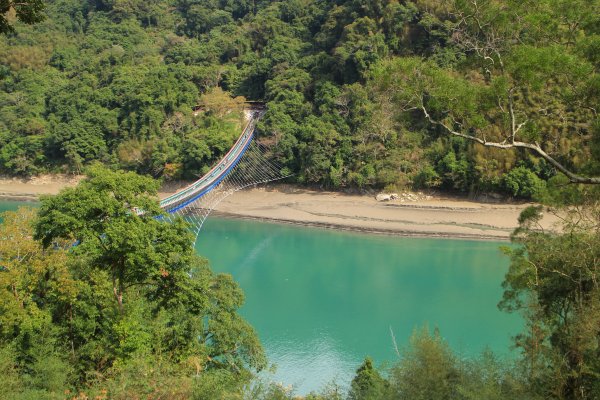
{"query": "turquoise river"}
pixel 322 300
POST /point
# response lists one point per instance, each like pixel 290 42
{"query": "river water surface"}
pixel 322 300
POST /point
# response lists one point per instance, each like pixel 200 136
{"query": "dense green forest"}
pixel 360 93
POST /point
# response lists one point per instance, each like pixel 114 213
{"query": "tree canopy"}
pixel 108 295
pixel 360 94
pixel 553 281
pixel 519 85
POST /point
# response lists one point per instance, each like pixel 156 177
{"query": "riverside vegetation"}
pixel 468 96
pixel 130 311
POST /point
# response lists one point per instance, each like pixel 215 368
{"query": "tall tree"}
pixel 368 384
pixel 100 214
pixel 137 266
pixel 554 279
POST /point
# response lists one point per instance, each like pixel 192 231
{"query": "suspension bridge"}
pixel 246 164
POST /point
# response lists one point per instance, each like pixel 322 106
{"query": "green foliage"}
pixel 560 193
pixel 552 281
pixel 11 381
pixel 428 370
pixel 522 182
pixel 368 384
pixel 344 83
pixel 128 311
pixel 513 70
pixel 427 178
pixel 359 94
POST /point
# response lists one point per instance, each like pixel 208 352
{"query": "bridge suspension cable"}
pixel 246 164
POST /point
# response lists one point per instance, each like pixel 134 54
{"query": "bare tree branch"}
pixel 535 147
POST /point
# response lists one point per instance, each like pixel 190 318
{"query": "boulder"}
pixel 383 197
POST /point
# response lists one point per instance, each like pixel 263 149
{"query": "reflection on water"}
pixel 314 356
pixel 322 300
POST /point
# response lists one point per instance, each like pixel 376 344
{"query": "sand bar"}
pixel 410 215
pixel 433 217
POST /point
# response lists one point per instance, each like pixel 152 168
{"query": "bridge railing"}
pixel 194 190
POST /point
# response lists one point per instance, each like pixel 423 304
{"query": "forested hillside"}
pixel 468 96
pixel 360 93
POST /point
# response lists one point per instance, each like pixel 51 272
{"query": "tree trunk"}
pixel 118 292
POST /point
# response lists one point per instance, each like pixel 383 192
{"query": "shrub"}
pixel 523 183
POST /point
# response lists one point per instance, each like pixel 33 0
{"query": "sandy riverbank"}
pixel 433 217
pixel 30 189
pixel 423 216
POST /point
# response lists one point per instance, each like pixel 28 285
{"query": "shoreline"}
pixel 361 230
pixel 411 215
pixel 29 190
pixel 24 198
